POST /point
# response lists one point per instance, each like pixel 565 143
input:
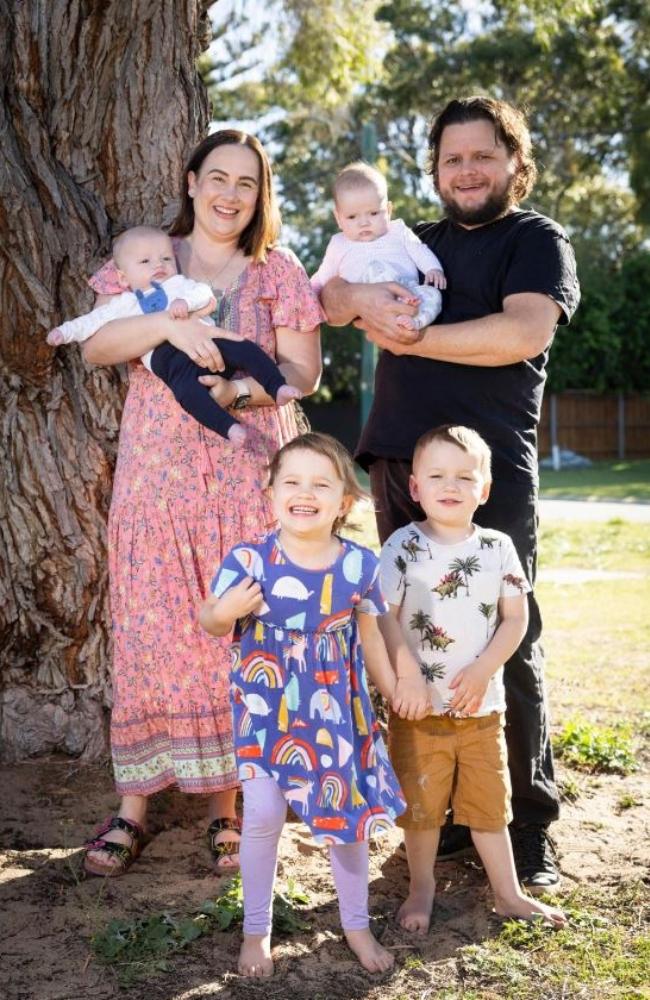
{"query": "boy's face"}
pixel 363 214
pixel 448 484
pixel 144 259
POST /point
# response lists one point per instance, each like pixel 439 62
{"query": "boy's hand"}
pixel 411 698
pixel 435 277
pixel 178 309
pixel 469 685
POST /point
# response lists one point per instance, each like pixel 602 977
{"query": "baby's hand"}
pixel 178 309
pixel 411 698
pixel 469 685
pixel 435 277
pixel 55 337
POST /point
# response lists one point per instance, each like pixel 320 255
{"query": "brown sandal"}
pixel 224 848
pixel 125 854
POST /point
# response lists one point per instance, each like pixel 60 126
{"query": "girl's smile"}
pixel 308 496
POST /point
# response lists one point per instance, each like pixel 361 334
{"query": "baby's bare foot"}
pixel 370 953
pixel 237 436
pixel 406 322
pixel 255 956
pixel 415 912
pixel 526 908
pixel 286 393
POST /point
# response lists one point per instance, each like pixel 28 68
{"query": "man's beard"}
pixel 499 203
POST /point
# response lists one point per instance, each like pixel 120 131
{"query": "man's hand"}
pixel 470 685
pixel 411 698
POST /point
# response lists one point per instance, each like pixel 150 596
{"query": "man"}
pixel 510 280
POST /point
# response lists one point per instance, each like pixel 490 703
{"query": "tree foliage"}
pixel 580 68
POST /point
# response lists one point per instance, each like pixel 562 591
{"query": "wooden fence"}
pixel 600 427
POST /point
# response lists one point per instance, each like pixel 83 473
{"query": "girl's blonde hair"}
pixel 339 456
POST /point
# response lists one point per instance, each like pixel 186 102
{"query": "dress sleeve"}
pixel 392 569
pixel 106 280
pixel 292 300
pixel 372 600
pixel 513 578
pixel 242 561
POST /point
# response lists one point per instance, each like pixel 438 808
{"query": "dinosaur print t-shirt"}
pixel 448 597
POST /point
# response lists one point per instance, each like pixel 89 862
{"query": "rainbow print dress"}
pixel 301 708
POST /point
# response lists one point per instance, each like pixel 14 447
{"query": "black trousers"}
pixel 511 508
pixel 180 373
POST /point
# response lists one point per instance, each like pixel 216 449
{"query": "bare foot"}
pixel 370 953
pixel 526 908
pixel 286 393
pixel 237 436
pixel 406 322
pixel 415 912
pixel 255 956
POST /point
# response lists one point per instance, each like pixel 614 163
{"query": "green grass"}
pixel 618 545
pixel 621 481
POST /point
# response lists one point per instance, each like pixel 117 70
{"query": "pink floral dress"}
pixel 182 498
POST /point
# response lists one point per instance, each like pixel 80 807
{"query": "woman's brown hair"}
pixel 262 231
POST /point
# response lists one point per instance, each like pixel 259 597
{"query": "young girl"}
pixel 307 601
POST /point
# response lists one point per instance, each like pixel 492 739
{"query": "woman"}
pixel 182 497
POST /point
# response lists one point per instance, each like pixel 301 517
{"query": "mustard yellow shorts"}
pixel 439 759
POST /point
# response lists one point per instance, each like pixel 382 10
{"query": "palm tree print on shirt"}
pixel 487 610
pixel 400 566
pixel 432 671
pixel 466 567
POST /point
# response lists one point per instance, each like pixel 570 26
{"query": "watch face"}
pixel 242 401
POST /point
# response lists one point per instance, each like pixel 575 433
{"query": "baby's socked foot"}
pixel 255 956
pixel 415 912
pixel 368 950
pixel 286 393
pixel 55 337
pixel 237 436
pixel 527 908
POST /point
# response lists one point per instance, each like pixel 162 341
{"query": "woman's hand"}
pixel 195 338
pixel 222 390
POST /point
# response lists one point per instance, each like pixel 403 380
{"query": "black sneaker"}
pixel 534 858
pixel 455 842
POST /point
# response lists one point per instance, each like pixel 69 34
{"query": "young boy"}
pixel 459 594
pixel 146 265
pixel 372 248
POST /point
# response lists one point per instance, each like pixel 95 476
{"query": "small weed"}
pixel 592 748
pixel 143 947
pixel 413 962
pixel 570 789
pixel 628 801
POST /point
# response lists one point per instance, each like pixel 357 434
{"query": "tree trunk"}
pixel 101 103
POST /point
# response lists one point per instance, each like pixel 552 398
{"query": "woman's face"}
pixel 225 190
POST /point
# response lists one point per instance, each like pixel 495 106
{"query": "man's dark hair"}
pixel 510 129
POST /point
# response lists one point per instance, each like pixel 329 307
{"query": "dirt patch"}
pixel 48 912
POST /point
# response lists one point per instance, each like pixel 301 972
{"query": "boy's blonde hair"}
pixel 359 175
pixel 465 438
pixel 329 447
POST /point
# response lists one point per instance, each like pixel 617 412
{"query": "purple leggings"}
pixel 265 810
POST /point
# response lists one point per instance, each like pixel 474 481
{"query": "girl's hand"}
pixel 219 614
pixel 222 390
pixel 411 698
pixel 469 685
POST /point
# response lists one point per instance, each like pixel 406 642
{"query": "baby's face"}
pixel 363 214
pixel 144 259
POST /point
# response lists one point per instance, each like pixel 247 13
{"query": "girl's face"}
pixel 308 495
pixel 225 190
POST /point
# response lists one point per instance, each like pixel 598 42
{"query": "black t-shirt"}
pixel 521 252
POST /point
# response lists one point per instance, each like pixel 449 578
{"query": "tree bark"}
pixel 101 104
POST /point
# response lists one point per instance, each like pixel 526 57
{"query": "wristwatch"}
pixel 243 396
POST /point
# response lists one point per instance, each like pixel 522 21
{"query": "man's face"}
pixel 475 174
